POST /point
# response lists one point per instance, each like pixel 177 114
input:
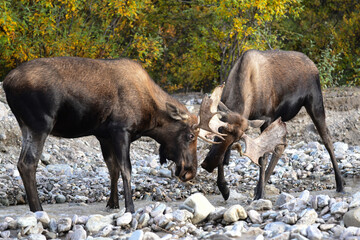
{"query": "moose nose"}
pixel 186 176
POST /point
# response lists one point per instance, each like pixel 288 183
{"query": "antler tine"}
pixel 209 121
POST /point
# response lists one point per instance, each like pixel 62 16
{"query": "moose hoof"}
pixel 225 192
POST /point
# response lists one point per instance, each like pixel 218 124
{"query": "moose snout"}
pixel 185 174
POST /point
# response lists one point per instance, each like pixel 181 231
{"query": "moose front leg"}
pixel 114 171
pixel 221 182
pixel 121 139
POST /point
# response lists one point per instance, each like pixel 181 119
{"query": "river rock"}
pixel 352 218
pixel 339 207
pixel 64 224
pixel 313 232
pixel 322 200
pixel 235 213
pixel 275 228
pixel 137 235
pixel 5 234
pixel 217 214
pixel 261 204
pixel 43 217
pixel 97 222
pixel 308 218
pixel 143 220
pixel 350 233
pixel 341 147
pixel 283 198
pixel 26 220
pixel 355 201
pixel 124 219
pixel 79 233
pixel 182 215
pixel 158 210
pixel 60 198
pixel 254 216
pixel 201 206
pixel 36 236
pixel 150 236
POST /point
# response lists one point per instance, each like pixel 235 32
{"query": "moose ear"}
pixel 176 113
pixel 256 123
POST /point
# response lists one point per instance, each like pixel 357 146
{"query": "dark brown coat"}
pixel 115 100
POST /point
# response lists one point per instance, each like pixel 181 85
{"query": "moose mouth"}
pixel 184 174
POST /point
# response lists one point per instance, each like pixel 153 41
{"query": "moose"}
pixel 261 87
pixel 114 100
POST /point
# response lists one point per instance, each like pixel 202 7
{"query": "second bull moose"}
pixel 114 100
pixel 266 85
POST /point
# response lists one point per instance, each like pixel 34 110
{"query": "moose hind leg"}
pixel 114 171
pixel 121 150
pixel 260 187
pixel 274 160
pixel 32 145
pixel 317 114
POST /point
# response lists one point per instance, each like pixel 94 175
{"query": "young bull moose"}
pixel 267 85
pixel 114 100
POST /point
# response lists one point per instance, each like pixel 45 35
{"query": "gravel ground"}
pixel 302 203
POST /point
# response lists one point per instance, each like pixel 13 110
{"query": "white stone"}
pixel 26 220
pixel 124 219
pixel 137 235
pixel 322 200
pixel 43 217
pixel 158 210
pixel 97 222
pixel 254 216
pixel 36 236
pixel 64 224
pixel 339 207
pixel 181 215
pixel 200 205
pixel 283 198
pixel 313 232
pixel 355 201
pixel 308 218
pixel 235 213
pixel 261 204
pixel 78 234
pixel 150 236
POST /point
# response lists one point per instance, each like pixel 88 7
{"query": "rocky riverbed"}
pixel 301 202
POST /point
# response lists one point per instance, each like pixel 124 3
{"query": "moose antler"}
pixel 209 122
pixel 271 137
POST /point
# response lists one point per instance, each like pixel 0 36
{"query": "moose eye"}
pixel 191 136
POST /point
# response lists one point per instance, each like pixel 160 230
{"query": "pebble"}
pixel 261 204
pixel 124 219
pixel 235 213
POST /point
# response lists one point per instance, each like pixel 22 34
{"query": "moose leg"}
pixel 274 160
pixel 32 145
pixel 221 182
pixel 317 114
pixel 121 149
pixel 114 171
pixel 259 190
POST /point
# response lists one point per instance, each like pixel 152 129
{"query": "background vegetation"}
pixel 184 44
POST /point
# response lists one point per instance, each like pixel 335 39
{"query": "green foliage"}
pixel 184 45
pixel 327 68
